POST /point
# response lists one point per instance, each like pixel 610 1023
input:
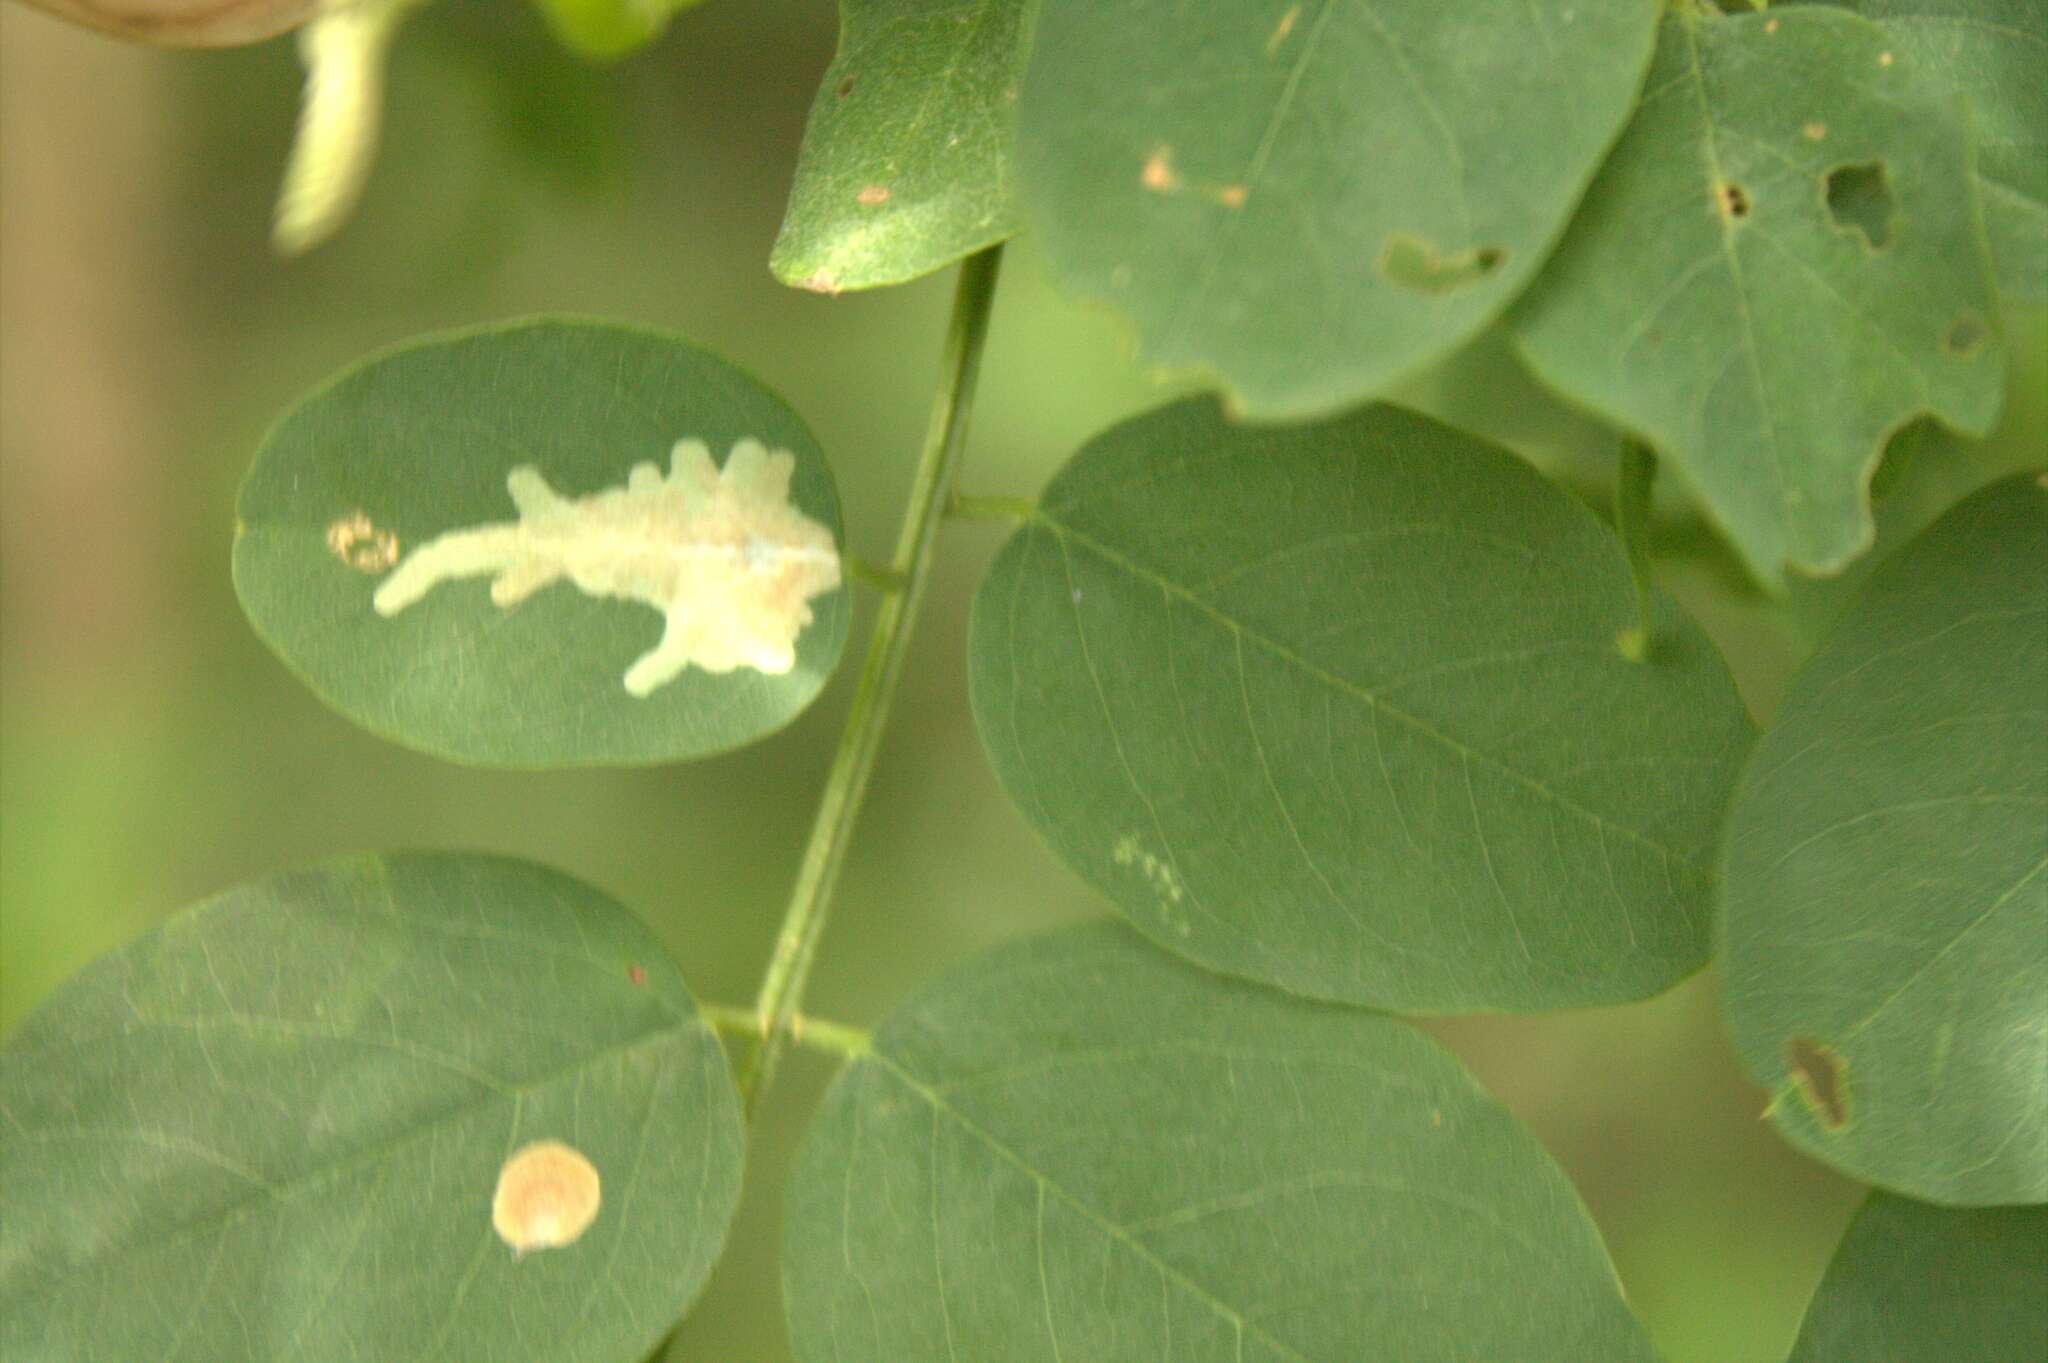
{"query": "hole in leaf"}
pixel 1966 335
pixel 1415 264
pixel 1859 197
pixel 1822 1078
pixel 1732 200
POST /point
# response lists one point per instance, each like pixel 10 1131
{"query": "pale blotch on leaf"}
pixel 1159 872
pixel 1412 263
pixel 361 545
pixel 722 554
pixel 547 1196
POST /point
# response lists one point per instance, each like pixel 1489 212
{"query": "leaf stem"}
pixel 875 575
pixel 1632 489
pixel 963 507
pixel 810 902
pixel 834 1038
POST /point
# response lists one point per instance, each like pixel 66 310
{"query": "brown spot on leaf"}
pixel 845 86
pixel 361 545
pixel 1770 25
pixel 1966 335
pixel 1822 1078
pixel 1731 200
pixel 547 1196
pixel 636 973
pixel 872 195
pixel 1859 199
pixel 1884 59
pixel 822 281
pixel 1158 175
pixel 1815 131
pixel 1416 264
pixel 1231 196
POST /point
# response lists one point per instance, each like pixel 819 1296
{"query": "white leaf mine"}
pixel 722 553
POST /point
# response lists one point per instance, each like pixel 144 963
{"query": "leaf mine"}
pixel 723 554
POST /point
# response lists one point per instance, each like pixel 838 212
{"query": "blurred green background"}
pixel 151 752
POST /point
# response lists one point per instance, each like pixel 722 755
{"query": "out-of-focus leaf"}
pixel 906 162
pixel 1919 1284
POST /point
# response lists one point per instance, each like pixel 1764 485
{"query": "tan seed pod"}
pixel 547 1197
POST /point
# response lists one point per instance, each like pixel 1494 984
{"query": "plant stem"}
pixel 961 506
pixel 1632 520
pixel 810 903
pixel 834 1038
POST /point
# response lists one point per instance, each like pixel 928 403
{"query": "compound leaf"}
pixel 1781 263
pixel 907 163
pixel 1078 1148
pixel 1885 901
pixel 1340 707
pixel 1313 201
pixel 457 544
pixel 1912 1283
pixel 274 1129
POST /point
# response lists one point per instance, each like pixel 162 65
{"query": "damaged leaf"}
pixel 1885 899
pixel 907 159
pixel 1311 202
pixel 1767 278
pixel 538 487
pixel 361 1111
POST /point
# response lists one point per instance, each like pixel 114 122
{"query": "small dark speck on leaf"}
pixel 1731 200
pixel 846 85
pixel 1822 1078
pixel 1859 199
pixel 1966 335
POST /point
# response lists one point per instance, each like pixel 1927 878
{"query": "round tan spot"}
pixel 547 1197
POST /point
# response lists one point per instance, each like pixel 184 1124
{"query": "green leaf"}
pixel 1312 202
pixel 1782 263
pixel 1995 52
pixel 424 441
pixel 1885 902
pixel 274 1128
pixel 1076 1148
pixel 1915 1284
pixel 906 161
pixel 604 30
pixel 1340 707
